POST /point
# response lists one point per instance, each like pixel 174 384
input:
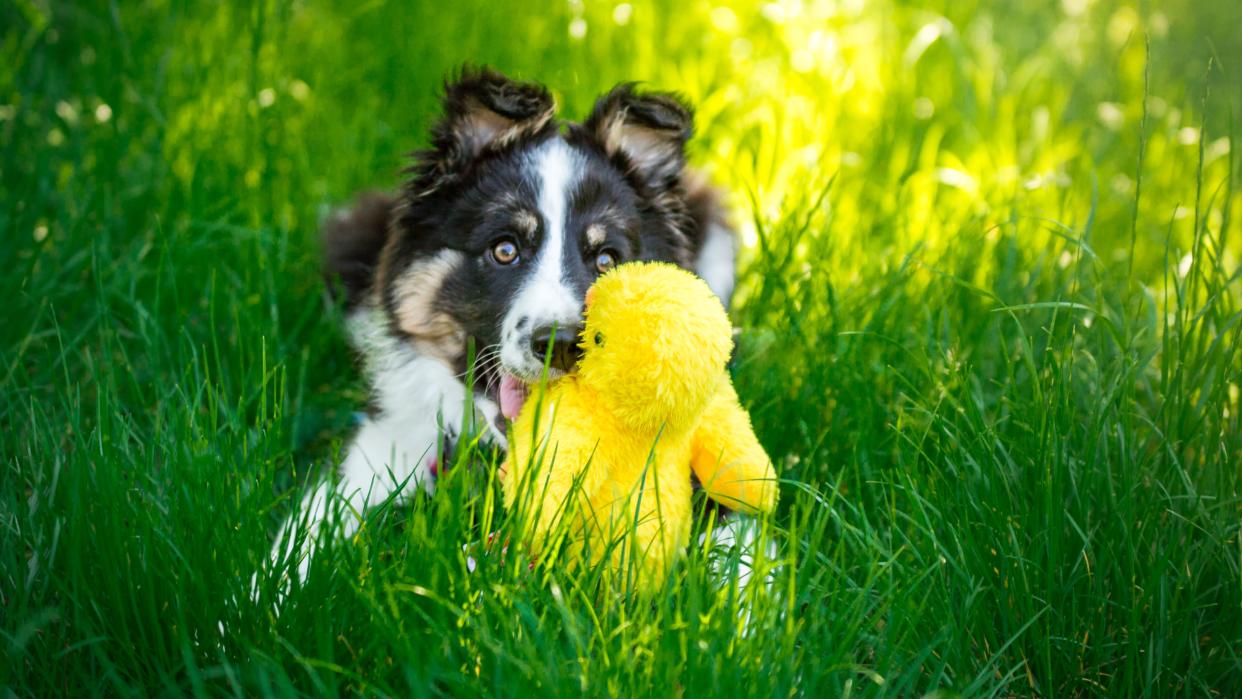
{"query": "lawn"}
pixel 991 312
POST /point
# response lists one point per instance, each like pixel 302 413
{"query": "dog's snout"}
pixel 561 342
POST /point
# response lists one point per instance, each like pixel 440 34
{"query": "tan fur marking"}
pixel 526 222
pixel 614 131
pixel 481 128
pixel 595 234
pixel 484 125
pixel 414 293
pixel 646 147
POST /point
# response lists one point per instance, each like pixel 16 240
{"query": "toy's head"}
pixel 655 343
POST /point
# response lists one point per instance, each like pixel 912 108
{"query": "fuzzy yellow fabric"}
pixel 600 461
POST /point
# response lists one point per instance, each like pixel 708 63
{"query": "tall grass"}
pixel 991 306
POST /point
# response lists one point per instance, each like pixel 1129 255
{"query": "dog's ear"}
pixel 647 131
pixel 484 110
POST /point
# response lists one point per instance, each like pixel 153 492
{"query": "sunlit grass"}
pixel 990 307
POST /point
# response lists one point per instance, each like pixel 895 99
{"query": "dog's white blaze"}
pixel 555 166
pixel 544 298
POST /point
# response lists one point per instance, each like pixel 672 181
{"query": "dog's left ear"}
pixel 647 130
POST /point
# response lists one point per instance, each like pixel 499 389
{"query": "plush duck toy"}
pixel 602 462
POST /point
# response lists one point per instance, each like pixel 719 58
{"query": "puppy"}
pixel 504 222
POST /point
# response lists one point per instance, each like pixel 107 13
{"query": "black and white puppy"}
pixel 505 221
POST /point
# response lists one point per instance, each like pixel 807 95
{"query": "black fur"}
pixel 352 242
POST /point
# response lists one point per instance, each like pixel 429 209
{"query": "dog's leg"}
pixel 392 455
pixel 386 460
pixel 736 547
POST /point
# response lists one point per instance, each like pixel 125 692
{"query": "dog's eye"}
pixel 505 251
pixel 605 261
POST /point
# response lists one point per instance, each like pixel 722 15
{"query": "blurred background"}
pixel 989 292
pixel 956 108
pixel 223 132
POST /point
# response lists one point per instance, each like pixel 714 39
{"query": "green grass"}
pixel 992 309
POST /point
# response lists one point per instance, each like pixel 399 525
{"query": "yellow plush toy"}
pixel 603 461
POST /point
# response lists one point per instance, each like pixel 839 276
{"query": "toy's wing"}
pixel 728 459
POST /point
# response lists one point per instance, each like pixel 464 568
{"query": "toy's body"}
pixel 614 444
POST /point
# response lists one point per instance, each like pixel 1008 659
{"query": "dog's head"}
pixel 510 215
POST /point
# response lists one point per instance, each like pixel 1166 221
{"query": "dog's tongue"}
pixel 512 396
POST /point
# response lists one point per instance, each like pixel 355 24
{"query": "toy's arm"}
pixel 728 459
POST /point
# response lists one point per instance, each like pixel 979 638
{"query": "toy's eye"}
pixel 504 251
pixel 599 339
pixel 605 260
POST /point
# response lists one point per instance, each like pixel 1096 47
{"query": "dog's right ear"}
pixel 485 111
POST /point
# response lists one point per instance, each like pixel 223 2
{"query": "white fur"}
pixel 736 547
pixel 716 260
pixel 544 298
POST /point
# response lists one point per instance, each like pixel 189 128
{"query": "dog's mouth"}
pixel 508 387
pixel 506 390
pixel 510 392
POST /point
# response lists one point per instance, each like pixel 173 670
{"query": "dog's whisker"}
pixel 483 361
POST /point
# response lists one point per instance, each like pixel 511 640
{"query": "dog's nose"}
pixel 564 347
